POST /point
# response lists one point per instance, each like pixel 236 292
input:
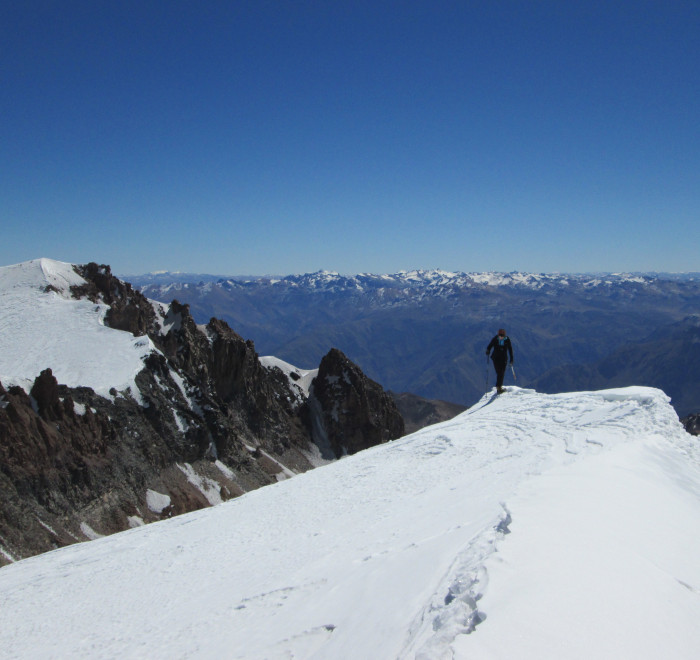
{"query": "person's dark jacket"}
pixel 502 348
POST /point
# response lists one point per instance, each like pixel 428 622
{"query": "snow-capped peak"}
pixel 43 326
pixel 39 274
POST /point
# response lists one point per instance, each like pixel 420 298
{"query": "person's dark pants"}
pixel 500 368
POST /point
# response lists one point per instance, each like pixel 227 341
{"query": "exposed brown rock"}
pixel 349 411
pixel 208 422
pixel 129 310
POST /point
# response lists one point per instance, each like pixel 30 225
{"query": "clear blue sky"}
pixel 283 137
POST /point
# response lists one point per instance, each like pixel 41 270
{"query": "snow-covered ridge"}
pixel 42 326
pixel 39 274
pixel 531 526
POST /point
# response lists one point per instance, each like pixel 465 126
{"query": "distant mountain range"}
pixel 426 331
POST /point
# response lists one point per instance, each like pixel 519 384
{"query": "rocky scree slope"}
pixel 205 422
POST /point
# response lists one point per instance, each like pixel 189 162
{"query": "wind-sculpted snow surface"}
pixel 531 526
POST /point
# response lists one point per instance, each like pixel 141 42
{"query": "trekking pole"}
pixel 512 368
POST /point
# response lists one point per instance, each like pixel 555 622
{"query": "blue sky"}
pixel 283 137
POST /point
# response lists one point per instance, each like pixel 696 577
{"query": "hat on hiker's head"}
pixel 502 332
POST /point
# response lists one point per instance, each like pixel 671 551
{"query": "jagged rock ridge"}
pixel 204 421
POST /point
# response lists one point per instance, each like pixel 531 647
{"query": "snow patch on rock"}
pixel 208 487
pixel 157 502
pixel 90 532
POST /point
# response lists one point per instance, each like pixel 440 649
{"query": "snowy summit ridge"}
pixel 530 526
pixel 42 326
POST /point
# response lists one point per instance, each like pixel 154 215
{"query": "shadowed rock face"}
pixel 351 411
pixel 207 423
pixel 692 424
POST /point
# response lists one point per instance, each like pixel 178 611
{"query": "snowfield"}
pixel 44 327
pixel 531 526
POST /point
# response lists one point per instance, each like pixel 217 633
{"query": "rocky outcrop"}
pixel 207 423
pixel 224 374
pixel 128 310
pixel 692 424
pixel 347 411
pixel 50 458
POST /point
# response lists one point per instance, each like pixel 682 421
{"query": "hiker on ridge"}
pixel 502 348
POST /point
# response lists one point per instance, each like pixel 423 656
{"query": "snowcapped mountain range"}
pixel 429 280
pixel 425 331
pixel 532 526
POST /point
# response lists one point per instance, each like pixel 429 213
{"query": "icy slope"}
pixel 42 326
pixel 387 554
